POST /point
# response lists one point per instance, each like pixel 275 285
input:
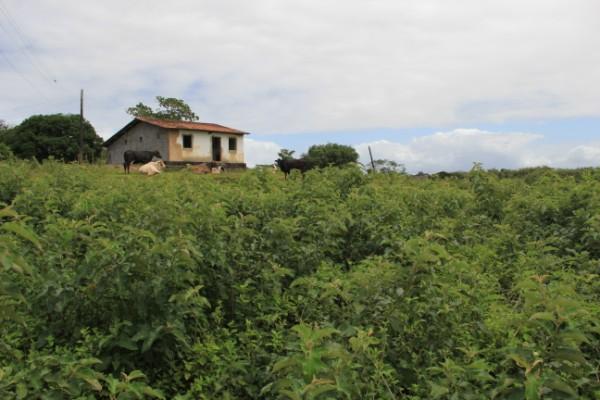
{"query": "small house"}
pixel 179 142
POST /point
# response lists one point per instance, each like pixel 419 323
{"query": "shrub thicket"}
pixel 338 285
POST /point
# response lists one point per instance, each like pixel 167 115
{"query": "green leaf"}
pixel 521 362
pixel 89 375
pixel 135 374
pixel 560 386
pixel 323 333
pixel 113 384
pixel 153 392
pixel 281 364
pixel 21 231
pixel 304 331
pixel 94 383
pixel 89 361
pixel 8 212
pixel 544 316
pixel 316 390
pixel 21 390
pixel 532 387
pixel 575 337
pixel 126 343
pixel 290 394
pixel 572 355
pixel 438 391
pixel 152 336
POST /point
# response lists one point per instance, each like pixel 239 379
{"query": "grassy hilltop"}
pixel 337 286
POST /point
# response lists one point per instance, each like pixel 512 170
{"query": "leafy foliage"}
pixel 286 154
pixel 169 108
pixel 341 285
pixel 5 152
pixel 331 154
pixel 56 135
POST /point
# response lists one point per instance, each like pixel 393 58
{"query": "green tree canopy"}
pixel 57 135
pixel 331 154
pixel 286 154
pixel 168 108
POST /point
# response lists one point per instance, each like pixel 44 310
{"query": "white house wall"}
pixel 201 150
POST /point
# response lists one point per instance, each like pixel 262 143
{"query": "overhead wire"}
pixel 25 43
pixel 14 68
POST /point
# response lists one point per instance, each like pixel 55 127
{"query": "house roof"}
pixel 170 124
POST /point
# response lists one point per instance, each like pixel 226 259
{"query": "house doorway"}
pixel 216 148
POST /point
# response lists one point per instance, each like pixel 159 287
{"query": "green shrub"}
pixel 340 285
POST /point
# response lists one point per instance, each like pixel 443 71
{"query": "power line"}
pixel 11 65
pixel 26 45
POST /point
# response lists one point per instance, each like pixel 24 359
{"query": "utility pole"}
pixel 371 156
pixel 80 154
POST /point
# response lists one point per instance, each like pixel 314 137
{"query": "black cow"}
pixel 289 164
pixel 132 157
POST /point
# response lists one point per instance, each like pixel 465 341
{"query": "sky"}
pixel 432 84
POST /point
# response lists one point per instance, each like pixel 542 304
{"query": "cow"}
pixel 287 165
pixel 143 157
pixel 206 169
pixel 152 168
pixel 200 169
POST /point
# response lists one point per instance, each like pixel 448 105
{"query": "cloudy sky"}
pixel 435 85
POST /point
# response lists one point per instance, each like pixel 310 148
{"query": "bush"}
pixel 5 152
pixel 331 154
pixel 340 285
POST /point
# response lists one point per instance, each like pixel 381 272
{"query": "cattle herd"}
pixel 153 167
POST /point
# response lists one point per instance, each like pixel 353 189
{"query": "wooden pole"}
pixel 80 154
pixel 371 156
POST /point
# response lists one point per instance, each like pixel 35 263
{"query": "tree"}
pixel 57 135
pixel 169 108
pixel 285 154
pixel 389 166
pixel 331 154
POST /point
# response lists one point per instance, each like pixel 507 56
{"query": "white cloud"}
pixel 276 66
pixel 457 150
pixel 579 156
pixel 259 152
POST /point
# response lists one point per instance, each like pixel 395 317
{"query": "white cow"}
pixel 152 168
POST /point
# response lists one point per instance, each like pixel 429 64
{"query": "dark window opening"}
pixel 187 141
pixel 141 138
pixel 232 144
pixel 125 141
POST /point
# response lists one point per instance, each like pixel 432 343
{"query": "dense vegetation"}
pixel 56 135
pixel 337 286
pixel 324 155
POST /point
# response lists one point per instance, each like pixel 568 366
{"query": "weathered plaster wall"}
pixel 201 150
pixel 152 138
